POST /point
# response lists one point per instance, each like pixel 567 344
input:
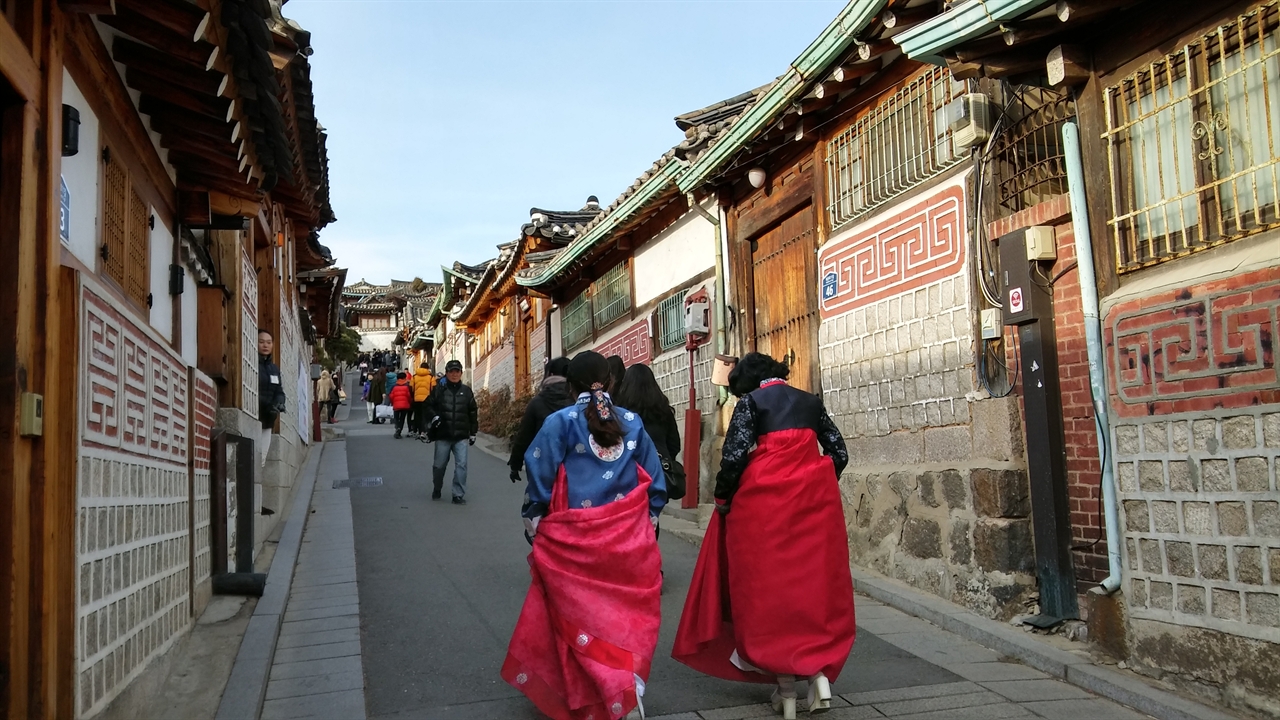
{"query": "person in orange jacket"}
pixel 422 383
pixel 401 400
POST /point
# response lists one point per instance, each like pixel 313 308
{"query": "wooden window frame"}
pixel 132 277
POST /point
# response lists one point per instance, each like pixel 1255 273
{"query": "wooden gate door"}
pixel 785 277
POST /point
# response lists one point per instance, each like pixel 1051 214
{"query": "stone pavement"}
pixel 317 669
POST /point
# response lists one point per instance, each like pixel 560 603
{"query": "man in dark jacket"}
pixel 271 399
pixel 553 396
pixel 455 405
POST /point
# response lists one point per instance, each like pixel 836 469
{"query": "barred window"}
pixel 668 323
pixel 575 326
pixel 902 142
pixel 126 237
pixel 1194 143
pixel 611 295
pixel 1029 158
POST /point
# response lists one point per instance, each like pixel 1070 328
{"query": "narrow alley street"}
pixel 440 587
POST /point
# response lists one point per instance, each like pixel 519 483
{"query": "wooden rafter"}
pixel 159 36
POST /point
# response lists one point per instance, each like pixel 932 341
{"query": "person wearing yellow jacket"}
pixel 422 383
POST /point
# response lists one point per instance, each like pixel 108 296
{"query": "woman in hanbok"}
pixel 771 598
pixel 584 642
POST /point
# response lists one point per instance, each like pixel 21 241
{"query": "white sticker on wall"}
pixel 1015 300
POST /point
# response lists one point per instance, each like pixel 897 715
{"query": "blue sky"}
pixel 447 121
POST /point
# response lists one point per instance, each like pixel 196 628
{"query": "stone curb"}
pixel 247 687
pixel 1068 666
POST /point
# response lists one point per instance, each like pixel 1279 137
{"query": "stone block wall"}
pixel 1196 432
pixel 537 356
pixel 496 370
pixel 936 491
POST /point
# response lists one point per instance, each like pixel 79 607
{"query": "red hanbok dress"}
pixel 772 581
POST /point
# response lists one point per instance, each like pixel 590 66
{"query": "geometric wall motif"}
pixel 632 345
pixel 917 246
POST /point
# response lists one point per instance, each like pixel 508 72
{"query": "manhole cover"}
pixel 358 482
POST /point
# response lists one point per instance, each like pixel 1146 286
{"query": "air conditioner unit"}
pixel 970 119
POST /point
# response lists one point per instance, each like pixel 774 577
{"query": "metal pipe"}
pixel 718 302
pixel 1093 340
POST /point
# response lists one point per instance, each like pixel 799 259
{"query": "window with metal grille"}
pixel 1193 143
pixel 126 231
pixel 575 326
pixel 903 141
pixel 611 295
pixel 668 323
pixel 1030 165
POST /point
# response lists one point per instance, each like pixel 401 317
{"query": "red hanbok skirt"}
pixel 590 621
pixel 772 579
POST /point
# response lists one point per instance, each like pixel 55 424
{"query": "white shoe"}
pixel 819 694
pixel 785 704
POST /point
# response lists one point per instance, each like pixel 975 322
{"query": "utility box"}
pixel 1016 289
pixel 1042 243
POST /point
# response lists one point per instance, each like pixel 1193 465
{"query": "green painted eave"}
pixel 638 199
pixel 816 60
pixel 443 298
pixel 927 41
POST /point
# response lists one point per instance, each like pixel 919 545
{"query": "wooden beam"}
pixel 224 204
pixel 191 99
pixel 180 16
pixel 137 56
pixel 1068 66
pixel 194 207
pixel 1076 10
pixel 850 72
pixel 166 118
pixel 998 66
pixel 175 44
pixel 903 18
pixel 16 63
pixel 875 48
pixel 88 7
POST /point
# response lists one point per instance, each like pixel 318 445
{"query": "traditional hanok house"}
pixel 419 337
pixel 458 283
pixel 847 193
pixel 162 178
pixel 622 285
pixel 1150 148
pixel 384 313
pixel 506 325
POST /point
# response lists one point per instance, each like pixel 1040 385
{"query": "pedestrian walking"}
pixel 401 401
pixel 271 398
pixel 390 382
pixel 326 394
pixel 554 395
pixel 376 394
pixel 780 530
pixel 455 405
pixel 641 394
pixel 595 491
pixel 422 383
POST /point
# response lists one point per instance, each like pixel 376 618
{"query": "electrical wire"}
pixel 1102 463
pixel 982 369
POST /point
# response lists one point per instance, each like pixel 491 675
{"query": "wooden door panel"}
pixel 784 274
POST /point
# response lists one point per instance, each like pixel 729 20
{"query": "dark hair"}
pixel 401 376
pixel 753 369
pixel 617 371
pixel 640 393
pixel 268 333
pixel 589 372
pixel 558 366
pixel 423 365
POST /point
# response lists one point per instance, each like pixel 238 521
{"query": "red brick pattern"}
pixel 920 245
pixel 1197 348
pixel 632 345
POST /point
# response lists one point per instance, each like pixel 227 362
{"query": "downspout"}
pixel 718 302
pixel 1093 339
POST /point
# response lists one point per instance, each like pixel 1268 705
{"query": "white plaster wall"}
pixel 190 312
pixel 161 303
pixel 371 340
pixel 80 171
pixel 679 253
pixel 557 342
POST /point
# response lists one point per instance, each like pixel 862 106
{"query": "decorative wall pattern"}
pixel 204 405
pixel 918 246
pixel 1195 349
pixel 632 345
pixel 133 522
pixel 248 336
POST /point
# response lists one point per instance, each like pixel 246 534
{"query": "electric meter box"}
pixel 696 315
pixel 970 117
pixel 1018 292
pixel 1041 243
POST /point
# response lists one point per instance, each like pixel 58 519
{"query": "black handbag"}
pixel 675 475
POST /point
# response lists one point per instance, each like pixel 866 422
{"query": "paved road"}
pixel 440 588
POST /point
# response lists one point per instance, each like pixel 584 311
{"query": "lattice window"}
pixel 1029 157
pixel 899 144
pixel 126 231
pixel 668 323
pixel 611 295
pixel 1194 144
pixel 575 326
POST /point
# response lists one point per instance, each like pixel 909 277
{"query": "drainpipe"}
pixel 1093 339
pixel 718 302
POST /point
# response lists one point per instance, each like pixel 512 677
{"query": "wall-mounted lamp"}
pixel 70 131
pixel 756 176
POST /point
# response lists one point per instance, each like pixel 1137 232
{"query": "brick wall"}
pixel 496 370
pixel 133 523
pixel 537 356
pixel 1196 431
pixel 936 491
